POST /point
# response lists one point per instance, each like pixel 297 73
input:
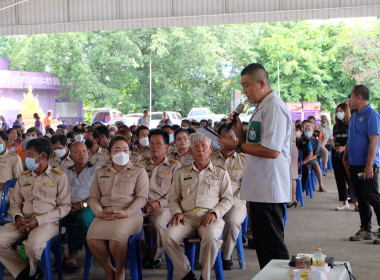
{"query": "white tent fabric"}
pixel 56 16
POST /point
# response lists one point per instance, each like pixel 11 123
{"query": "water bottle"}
pixel 318 257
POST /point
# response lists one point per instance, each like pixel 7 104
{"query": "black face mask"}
pixel 89 144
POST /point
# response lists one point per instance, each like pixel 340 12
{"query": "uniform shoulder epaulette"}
pixel 57 170
pixel 26 172
pixel 220 166
pixel 52 155
pixel 138 164
pixel 243 154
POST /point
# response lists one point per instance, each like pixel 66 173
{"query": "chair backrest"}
pixel 8 185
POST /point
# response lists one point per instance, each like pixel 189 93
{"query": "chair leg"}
pixel 131 257
pixel 89 262
pixel 189 252
pixel 2 269
pixel 46 262
pixel 239 249
pixel 169 266
pixel 56 249
pixel 218 267
pixel 138 258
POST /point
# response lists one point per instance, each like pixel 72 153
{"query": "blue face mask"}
pixel 171 138
pixel 308 134
pixel 31 163
pixel 215 145
pixel 1 148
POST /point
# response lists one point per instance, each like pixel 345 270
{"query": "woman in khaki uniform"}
pixel 118 193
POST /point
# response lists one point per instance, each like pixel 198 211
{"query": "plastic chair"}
pixel 239 243
pixel 54 244
pixel 329 163
pixel 190 244
pixel 4 217
pixel 299 191
pixel 133 258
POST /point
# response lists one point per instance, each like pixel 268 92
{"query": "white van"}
pixel 197 112
pixel 175 117
pixel 106 115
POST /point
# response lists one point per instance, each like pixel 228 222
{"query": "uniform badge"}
pixel 361 119
pixel 3 161
pixel 27 184
pixel 214 178
pixel 164 172
pixel 188 177
pixel 236 168
pixel 127 175
pixel 47 184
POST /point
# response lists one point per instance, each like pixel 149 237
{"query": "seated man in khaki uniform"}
pixel 96 154
pixel 200 196
pixel 60 158
pixel 10 163
pixel 160 171
pixel 234 163
pixel 40 199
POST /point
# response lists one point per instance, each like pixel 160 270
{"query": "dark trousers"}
pixel 268 231
pixel 306 169
pixel 341 179
pixel 368 195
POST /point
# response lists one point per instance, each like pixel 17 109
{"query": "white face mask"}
pixel 79 138
pixel 28 138
pixel 48 135
pixel 121 158
pixel 144 141
pixel 340 115
pixel 60 152
pixel 112 133
pixel 298 134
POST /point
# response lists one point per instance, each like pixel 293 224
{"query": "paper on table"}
pixel 206 131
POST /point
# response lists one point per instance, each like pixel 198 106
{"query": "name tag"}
pixel 188 178
pixel 104 176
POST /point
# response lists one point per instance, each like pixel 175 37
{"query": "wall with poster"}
pixel 301 111
pixel 38 92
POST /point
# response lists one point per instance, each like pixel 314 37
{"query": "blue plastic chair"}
pixel 133 258
pixel 54 244
pixel 239 243
pixel 299 191
pixel 4 217
pixel 190 244
pixel 329 163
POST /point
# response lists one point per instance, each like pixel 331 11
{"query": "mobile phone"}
pixel 360 176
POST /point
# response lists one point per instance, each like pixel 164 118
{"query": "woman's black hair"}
pixel 114 140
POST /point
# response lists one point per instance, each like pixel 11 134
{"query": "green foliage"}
pixel 200 66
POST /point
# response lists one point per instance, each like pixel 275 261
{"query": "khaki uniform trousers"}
pixel 158 221
pixel 325 158
pixel 210 244
pixel 233 220
pixel 34 245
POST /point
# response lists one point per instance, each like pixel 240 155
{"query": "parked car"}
pixel 214 118
pixel 198 112
pixel 106 115
pixel 175 117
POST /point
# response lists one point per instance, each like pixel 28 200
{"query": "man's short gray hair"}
pixel 194 137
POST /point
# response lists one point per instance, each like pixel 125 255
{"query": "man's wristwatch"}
pixel 238 148
pixel 83 205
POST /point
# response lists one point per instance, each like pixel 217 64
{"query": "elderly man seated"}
pixel 80 176
pixel 40 199
pixel 201 194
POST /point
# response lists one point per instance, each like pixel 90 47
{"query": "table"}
pixel 280 270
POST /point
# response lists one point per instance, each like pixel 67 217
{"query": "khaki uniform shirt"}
pixel 325 137
pixel 160 178
pixel 47 196
pixel 10 166
pixel 127 190
pixel 56 162
pixel 136 155
pixel 100 158
pixel 183 160
pixel 234 166
pixel 193 189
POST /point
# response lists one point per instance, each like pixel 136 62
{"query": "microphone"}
pixel 239 109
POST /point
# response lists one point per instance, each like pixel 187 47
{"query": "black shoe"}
pixel 145 262
pixel 71 267
pixel 293 204
pixel 155 264
pixel 38 275
pixel 228 264
pixel 190 276
pixel 243 239
pixel 251 244
pixel 24 274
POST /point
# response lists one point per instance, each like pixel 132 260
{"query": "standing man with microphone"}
pixel 266 181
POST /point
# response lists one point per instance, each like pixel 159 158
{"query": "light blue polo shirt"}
pixel 362 125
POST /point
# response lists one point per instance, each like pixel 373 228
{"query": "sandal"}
pixel 322 189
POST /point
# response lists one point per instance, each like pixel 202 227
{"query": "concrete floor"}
pixel 316 224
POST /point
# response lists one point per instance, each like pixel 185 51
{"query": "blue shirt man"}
pixel 361 160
